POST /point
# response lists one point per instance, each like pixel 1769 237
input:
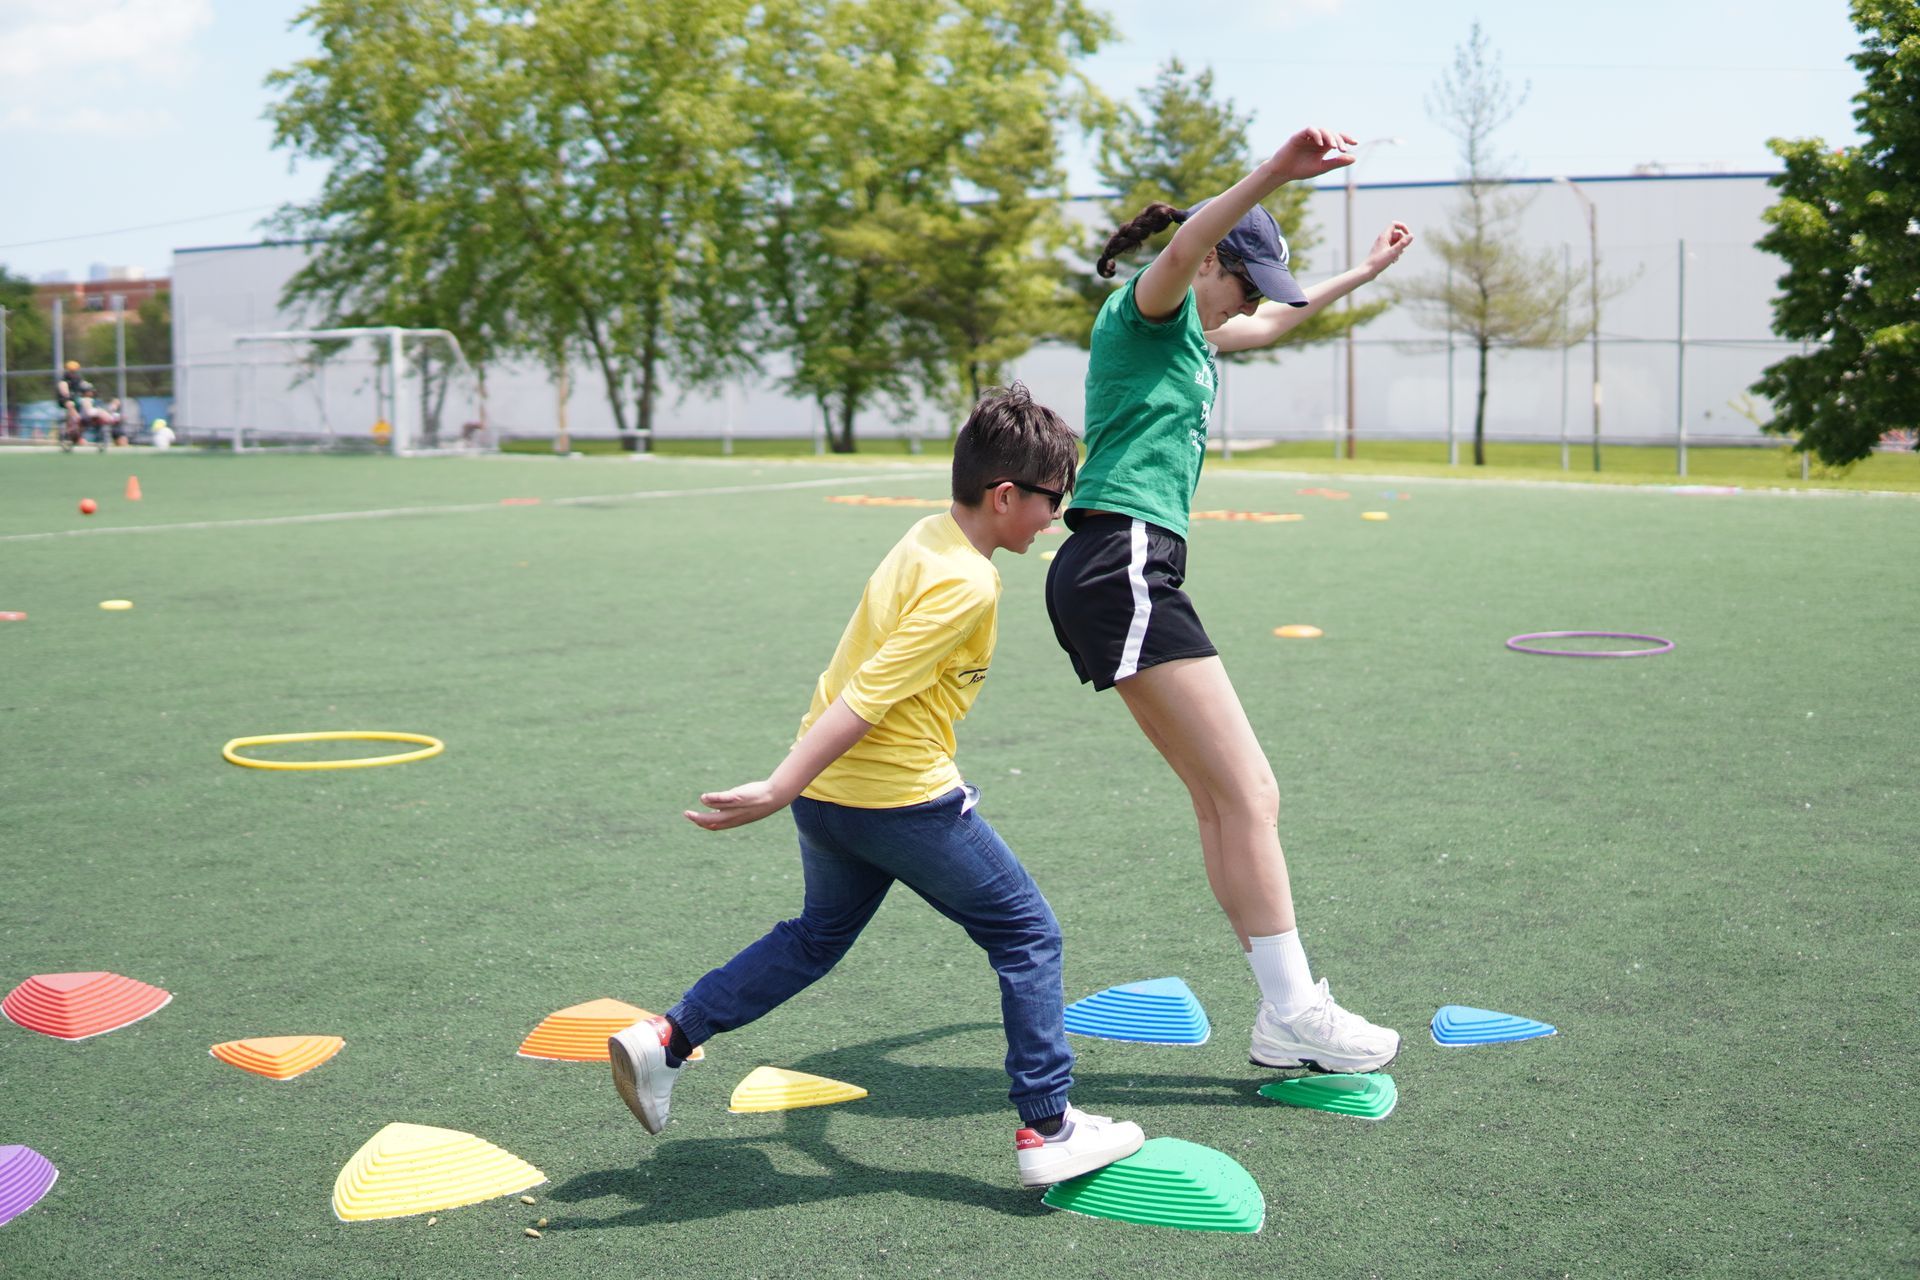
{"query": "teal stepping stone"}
pixel 1370 1096
pixel 1168 1183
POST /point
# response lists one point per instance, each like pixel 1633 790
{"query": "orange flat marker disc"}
pixel 579 1032
pixel 1298 631
pixel 278 1057
pixel 73 1006
pixel 12 615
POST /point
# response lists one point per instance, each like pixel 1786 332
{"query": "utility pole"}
pixel 1348 300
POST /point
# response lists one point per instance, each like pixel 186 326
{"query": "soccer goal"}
pixel 386 389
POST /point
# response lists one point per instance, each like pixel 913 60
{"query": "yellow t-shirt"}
pixel 910 664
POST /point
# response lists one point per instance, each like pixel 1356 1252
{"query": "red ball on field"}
pixel 88 506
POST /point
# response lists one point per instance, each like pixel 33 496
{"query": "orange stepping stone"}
pixel 579 1032
pixel 278 1057
pixel 74 1006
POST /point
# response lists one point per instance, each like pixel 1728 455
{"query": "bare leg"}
pixel 1190 712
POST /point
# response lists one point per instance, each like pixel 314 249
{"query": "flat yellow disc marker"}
pixel 1373 515
pixel 1046 555
pixel 116 605
pixel 430 747
pixel 1298 631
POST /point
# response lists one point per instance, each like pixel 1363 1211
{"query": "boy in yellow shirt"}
pixel 876 798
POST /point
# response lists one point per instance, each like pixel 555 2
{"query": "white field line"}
pixel 1677 486
pixel 384 513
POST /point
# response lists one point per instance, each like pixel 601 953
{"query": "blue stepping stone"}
pixel 1459 1024
pixel 1162 1011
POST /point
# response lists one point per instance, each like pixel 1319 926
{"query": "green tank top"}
pixel 1150 390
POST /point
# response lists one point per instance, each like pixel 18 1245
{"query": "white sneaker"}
pixel 640 1070
pixel 1323 1036
pixel 1084 1143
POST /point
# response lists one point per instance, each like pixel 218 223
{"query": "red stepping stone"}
pixel 74 1006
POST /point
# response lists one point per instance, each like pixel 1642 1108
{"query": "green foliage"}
pixel 29 333
pixel 1180 146
pixel 539 178
pixel 1496 292
pixel 903 157
pixel 1846 226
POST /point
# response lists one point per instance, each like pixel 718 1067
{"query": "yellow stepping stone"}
pixel 579 1032
pixel 415 1168
pixel 776 1089
pixel 1298 631
pixel 278 1057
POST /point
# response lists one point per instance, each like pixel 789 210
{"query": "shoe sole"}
pixel 1328 1066
pixel 1082 1165
pixel 627 1075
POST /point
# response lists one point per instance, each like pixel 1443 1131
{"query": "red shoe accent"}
pixel 662 1028
pixel 1027 1140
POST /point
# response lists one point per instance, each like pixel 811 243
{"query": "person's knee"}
pixel 1255 799
pixel 822 941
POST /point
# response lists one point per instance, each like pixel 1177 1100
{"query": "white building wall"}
pixel 1401 365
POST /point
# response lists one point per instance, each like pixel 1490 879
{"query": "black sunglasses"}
pixel 1054 496
pixel 1249 291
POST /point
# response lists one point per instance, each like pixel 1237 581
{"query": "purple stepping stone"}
pixel 25 1176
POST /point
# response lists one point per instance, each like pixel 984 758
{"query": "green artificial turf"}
pixel 1698 866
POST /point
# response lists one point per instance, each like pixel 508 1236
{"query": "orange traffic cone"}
pixel 133 488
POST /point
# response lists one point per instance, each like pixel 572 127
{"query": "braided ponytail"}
pixel 1146 224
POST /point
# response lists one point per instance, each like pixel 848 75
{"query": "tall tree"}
pixel 1181 145
pixel 29 337
pixel 503 169
pixel 1497 293
pixel 1846 224
pixel 901 157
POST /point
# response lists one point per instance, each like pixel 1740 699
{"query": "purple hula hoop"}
pixel 1514 643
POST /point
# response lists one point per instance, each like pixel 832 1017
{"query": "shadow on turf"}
pixel 685 1179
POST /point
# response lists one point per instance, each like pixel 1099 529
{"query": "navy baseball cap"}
pixel 1257 242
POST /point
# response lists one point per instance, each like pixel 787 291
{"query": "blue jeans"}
pixel 945 852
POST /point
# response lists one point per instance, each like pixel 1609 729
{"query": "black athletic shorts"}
pixel 1114 595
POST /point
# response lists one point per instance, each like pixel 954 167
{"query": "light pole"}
pixel 1593 300
pixel 1358 152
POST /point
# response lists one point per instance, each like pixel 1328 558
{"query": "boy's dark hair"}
pixel 1009 437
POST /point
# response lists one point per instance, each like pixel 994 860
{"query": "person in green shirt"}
pixel 1221 284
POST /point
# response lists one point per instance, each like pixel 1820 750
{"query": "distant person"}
pixel 75 395
pixel 1114 589
pixel 161 434
pixel 877 799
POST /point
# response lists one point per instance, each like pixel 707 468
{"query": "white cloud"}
pixel 60 62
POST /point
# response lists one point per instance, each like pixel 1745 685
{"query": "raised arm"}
pixel 1272 320
pixel 1163 285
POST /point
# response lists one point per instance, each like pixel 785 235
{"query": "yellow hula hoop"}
pixel 430 747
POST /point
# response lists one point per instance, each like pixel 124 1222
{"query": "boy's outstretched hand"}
pixel 746 803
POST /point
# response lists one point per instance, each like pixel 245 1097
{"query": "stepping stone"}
pixel 1162 1011
pixel 74 1006
pixel 579 1032
pixel 1370 1096
pixel 1459 1024
pixel 776 1089
pixel 278 1057
pixel 414 1168
pixel 25 1176
pixel 1167 1183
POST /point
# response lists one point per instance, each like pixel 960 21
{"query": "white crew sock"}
pixel 1280 967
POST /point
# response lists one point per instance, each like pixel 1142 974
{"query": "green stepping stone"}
pixel 1168 1183
pixel 1370 1096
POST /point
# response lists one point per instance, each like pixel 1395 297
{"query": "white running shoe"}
pixel 1323 1036
pixel 1084 1143
pixel 640 1070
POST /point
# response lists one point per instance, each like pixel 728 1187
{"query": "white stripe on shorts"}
pixel 1142 606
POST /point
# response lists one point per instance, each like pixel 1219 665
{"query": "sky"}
pixel 130 128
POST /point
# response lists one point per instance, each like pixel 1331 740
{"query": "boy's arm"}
pixel 831 736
